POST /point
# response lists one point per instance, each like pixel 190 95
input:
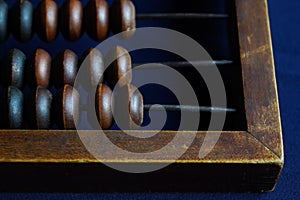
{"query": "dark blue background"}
pixel 285 26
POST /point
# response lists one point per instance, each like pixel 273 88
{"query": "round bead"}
pixel 39 108
pixel 97 19
pixel 92 60
pixel 3 20
pixel 136 106
pixel 13 70
pixel 128 107
pixel 39 69
pixel 119 70
pixel 14 108
pixel 47 20
pixel 66 107
pixel 71 19
pixel 64 68
pixel 22 20
pixel 123 17
pixel 103 104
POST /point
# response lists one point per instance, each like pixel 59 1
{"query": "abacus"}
pixel 44 44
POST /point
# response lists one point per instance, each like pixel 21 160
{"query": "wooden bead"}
pixel 128 107
pixel 119 70
pixel 3 20
pixel 71 19
pixel 136 106
pixel 64 68
pixel 39 108
pixel 103 102
pixel 13 70
pixel 96 17
pixel 122 17
pixel 47 20
pixel 22 20
pixel 39 69
pixel 66 107
pixel 13 108
pixel 92 60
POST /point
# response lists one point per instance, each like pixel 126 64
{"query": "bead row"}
pixel 42 110
pixel 71 19
pixel 38 108
pixel 40 70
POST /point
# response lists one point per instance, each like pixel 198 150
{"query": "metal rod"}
pixel 187 108
pixel 179 64
pixel 149 16
pixel 179 108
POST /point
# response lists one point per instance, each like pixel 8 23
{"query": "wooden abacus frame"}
pixel 34 160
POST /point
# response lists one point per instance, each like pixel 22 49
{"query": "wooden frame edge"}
pixel 261 102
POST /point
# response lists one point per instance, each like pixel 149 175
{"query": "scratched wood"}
pixel 248 160
pixel 261 99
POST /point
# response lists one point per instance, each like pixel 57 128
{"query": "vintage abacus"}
pixel 41 151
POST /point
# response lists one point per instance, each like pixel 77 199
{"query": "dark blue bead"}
pixel 13 69
pixel 14 107
pixel 39 108
pixel 3 20
pixel 22 20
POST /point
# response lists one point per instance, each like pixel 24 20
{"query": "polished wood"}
pixel 92 60
pixel 38 108
pixel 96 17
pixel 65 105
pixel 13 108
pixel 21 20
pixel 119 71
pixel 47 20
pixel 13 70
pixel 39 69
pixel 103 103
pixel 71 18
pixel 128 107
pixel 136 106
pixel 64 68
pixel 122 17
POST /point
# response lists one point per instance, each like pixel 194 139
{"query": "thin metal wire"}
pixel 149 16
pixel 187 108
pixel 183 64
pixel 179 108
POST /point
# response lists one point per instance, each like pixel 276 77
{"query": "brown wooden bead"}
pixel 103 102
pixel 136 106
pixel 47 20
pixel 119 70
pixel 71 19
pixel 64 68
pixel 66 107
pixel 13 69
pixel 13 108
pixel 122 17
pixel 92 60
pixel 39 69
pixel 39 108
pixel 96 16
pixel 128 107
